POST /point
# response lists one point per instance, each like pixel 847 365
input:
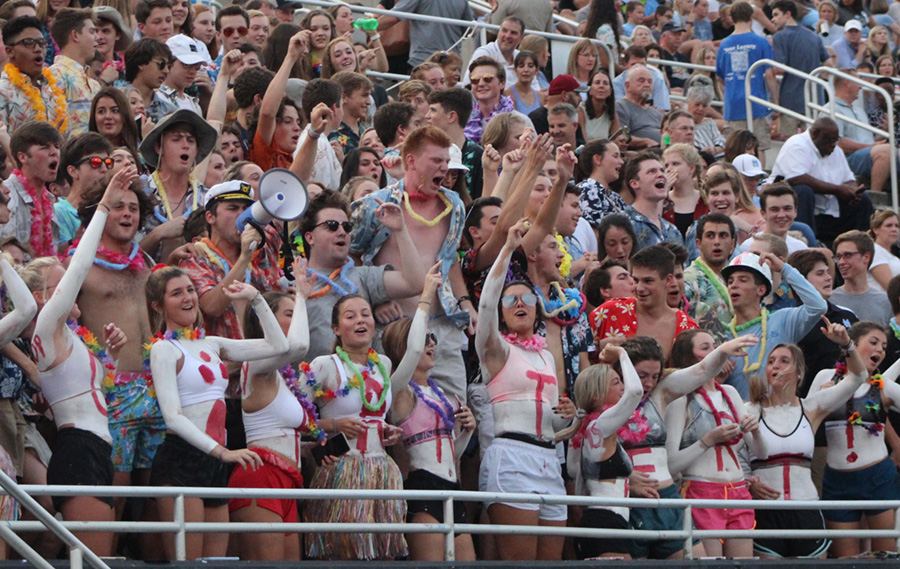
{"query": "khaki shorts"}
pixel 760 129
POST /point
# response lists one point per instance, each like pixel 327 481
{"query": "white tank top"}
pixel 282 417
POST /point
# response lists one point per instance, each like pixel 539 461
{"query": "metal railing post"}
pixel 180 535
pixel 450 536
pixel 897 529
pixel 687 525
pixel 74 558
pixel 25 550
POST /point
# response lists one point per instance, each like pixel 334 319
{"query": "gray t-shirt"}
pixel 871 305
pixel 425 38
pixel 643 122
pixel 369 282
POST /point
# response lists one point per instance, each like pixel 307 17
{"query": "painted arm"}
pixel 827 400
pixel 683 381
pixel 679 458
pixel 25 307
pixel 274 343
pixel 298 333
pixel 750 426
pixel 610 420
pixel 415 347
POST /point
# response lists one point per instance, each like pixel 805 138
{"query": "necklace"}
pixel 763 337
pixel 565 308
pixel 93 346
pixel 444 408
pixel 358 380
pixel 41 217
pixel 718 414
pixel 776 433
pixel 534 344
pixel 181 333
pixel 217 257
pixel 566 266
pixel 289 375
pixel 330 284
pixel 420 219
pixel 192 181
pixel 118 262
pixel 37 100
pixel 715 280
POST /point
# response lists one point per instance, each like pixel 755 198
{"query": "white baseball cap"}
pixel 748 165
pixel 185 49
pixel 853 25
pixel 456 159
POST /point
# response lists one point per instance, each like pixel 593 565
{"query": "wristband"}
pixel 106 206
pixel 462 299
pixel 703 444
pixel 312 133
pixel 849 349
pixel 376 37
pixel 425 302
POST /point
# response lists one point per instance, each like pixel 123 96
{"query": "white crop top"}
pixel 201 381
pixel 791 436
pixel 281 417
pixel 78 374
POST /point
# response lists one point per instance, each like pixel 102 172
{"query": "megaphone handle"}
pixel 287 252
pixel 262 232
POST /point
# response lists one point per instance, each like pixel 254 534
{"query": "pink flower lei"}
pixel 42 218
pixel 633 431
pixel 534 344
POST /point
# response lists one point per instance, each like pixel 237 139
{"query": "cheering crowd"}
pixel 586 285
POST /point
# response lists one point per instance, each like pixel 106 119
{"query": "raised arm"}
pixel 51 322
pixel 298 333
pixel 25 307
pixel 322 121
pixel 546 218
pixel 415 341
pixel 813 307
pixel 491 349
pixel 274 343
pixel 683 381
pixel 268 109
pixel 610 420
pixel 821 403
pixel 218 103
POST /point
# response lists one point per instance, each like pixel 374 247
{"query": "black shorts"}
pixel 178 463
pixel 598 518
pixel 80 458
pixel 790 519
pixel 424 480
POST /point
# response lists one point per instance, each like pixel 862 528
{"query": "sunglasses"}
pixel 163 64
pixel 96 162
pixel 430 338
pixel 510 300
pixel 31 42
pixel 488 79
pixel 241 31
pixel 333 225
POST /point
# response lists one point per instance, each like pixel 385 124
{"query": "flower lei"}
pixel 565 309
pixel 420 219
pixel 355 382
pixel 715 280
pixel 566 266
pixel 165 198
pixel 330 284
pixel 289 375
pixel 182 333
pixel 763 318
pixel 534 344
pixel 93 345
pixel 37 101
pixel 41 216
pixel 633 431
pixel 718 414
pixel 855 417
pixel 217 257
pixel 117 261
pixel 444 408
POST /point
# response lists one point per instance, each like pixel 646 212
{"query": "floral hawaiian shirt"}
pixel 648 233
pixel 709 303
pixel 16 109
pixel 206 274
pixel 80 89
pixel 597 202
pixel 346 137
pixel 477 122
pixel 618 317
pixel 369 235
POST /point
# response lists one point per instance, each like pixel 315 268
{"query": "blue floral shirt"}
pixel 597 202
pixel 369 235
pixel 648 233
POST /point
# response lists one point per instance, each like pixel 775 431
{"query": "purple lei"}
pixel 444 410
pixel 312 417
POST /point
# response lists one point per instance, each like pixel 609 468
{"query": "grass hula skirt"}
pixel 357 473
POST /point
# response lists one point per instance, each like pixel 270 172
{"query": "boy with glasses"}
pixel 853 253
pixel 85 160
pixel 232 29
pixel 25 47
pixel 488 79
pixel 146 67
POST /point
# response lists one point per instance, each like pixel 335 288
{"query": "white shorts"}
pixel 522 468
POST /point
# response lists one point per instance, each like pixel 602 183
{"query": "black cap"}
pixel 671 27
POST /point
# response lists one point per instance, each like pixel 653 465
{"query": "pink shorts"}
pixel 719 518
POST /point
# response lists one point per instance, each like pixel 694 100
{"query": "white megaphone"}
pixel 282 195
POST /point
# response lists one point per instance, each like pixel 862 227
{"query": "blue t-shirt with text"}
pixel 736 54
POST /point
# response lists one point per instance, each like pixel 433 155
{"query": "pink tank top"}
pixel 201 381
pixel 423 424
pixel 520 381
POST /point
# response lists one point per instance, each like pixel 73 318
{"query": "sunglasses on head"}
pixel 510 300
pixel 430 338
pixel 241 31
pixel 488 79
pixel 96 162
pixel 333 225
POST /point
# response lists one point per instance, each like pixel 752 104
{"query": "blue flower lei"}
pixel 565 308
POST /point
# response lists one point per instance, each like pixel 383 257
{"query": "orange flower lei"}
pixel 34 95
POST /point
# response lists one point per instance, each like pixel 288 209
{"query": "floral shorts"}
pixel 135 422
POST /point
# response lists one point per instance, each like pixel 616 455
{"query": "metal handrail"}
pixel 478 4
pixel 45 521
pixel 467 23
pixel 888 134
pixel 750 98
pixel 686 534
